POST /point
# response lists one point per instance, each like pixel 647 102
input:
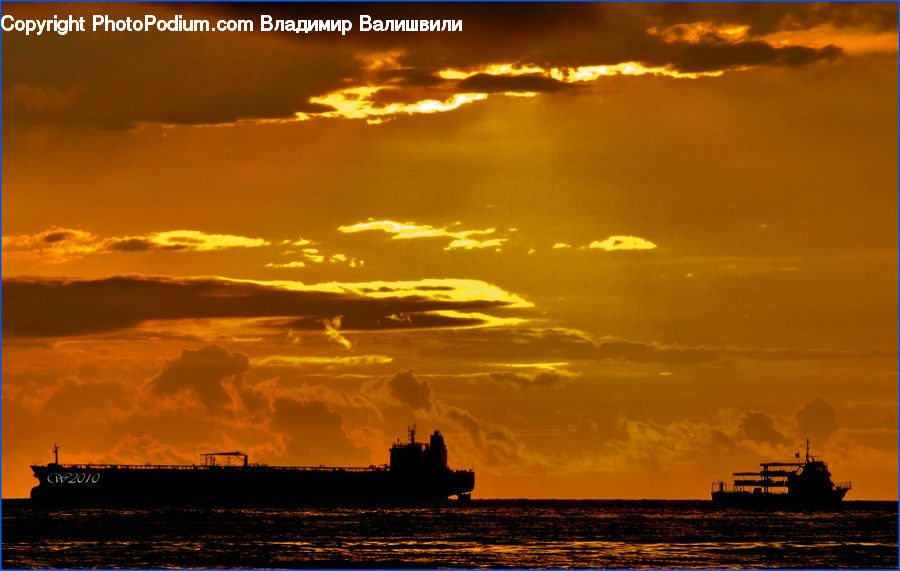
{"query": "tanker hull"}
pixel 81 485
pixel 417 472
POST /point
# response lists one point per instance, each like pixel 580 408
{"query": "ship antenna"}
pixel 55 453
pixel 807 450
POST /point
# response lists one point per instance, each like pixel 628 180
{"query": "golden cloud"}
pixel 294 264
pixel 462 239
pixel 696 32
pixel 58 244
pixel 300 361
pixel 185 240
pixel 359 103
pixel 622 243
pixel 577 74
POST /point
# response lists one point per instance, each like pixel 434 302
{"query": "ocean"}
pixel 482 534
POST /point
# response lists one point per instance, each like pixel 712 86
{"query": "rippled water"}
pixel 485 533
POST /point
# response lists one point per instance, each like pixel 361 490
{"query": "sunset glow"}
pixel 609 250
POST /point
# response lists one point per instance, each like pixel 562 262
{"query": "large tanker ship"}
pixel 417 471
pixel 799 485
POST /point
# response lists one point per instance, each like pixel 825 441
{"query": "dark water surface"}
pixel 485 533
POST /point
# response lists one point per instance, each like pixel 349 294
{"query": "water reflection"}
pixel 485 534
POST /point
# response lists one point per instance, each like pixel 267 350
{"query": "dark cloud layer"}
pixel 768 17
pixel 255 76
pixel 712 57
pixel 157 77
pixel 50 307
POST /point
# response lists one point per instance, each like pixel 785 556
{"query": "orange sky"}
pixel 610 250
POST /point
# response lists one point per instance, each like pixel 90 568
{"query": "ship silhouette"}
pixel 799 485
pixel 417 471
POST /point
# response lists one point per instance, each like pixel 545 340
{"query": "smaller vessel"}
pixel 802 485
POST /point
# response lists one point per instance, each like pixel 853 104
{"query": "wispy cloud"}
pixel 303 361
pixel 622 243
pixel 309 255
pixel 460 239
pixel 299 242
pixel 470 244
pixel 293 264
pixel 332 330
pixel 359 103
pixel 616 242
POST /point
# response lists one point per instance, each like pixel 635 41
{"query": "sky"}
pixel 608 250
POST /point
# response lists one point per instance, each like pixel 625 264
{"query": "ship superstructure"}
pixel 783 484
pixel 417 471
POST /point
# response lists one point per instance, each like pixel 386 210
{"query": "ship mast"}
pixel 55 453
pixel 807 450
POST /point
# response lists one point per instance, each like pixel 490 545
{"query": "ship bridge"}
pixel 415 456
